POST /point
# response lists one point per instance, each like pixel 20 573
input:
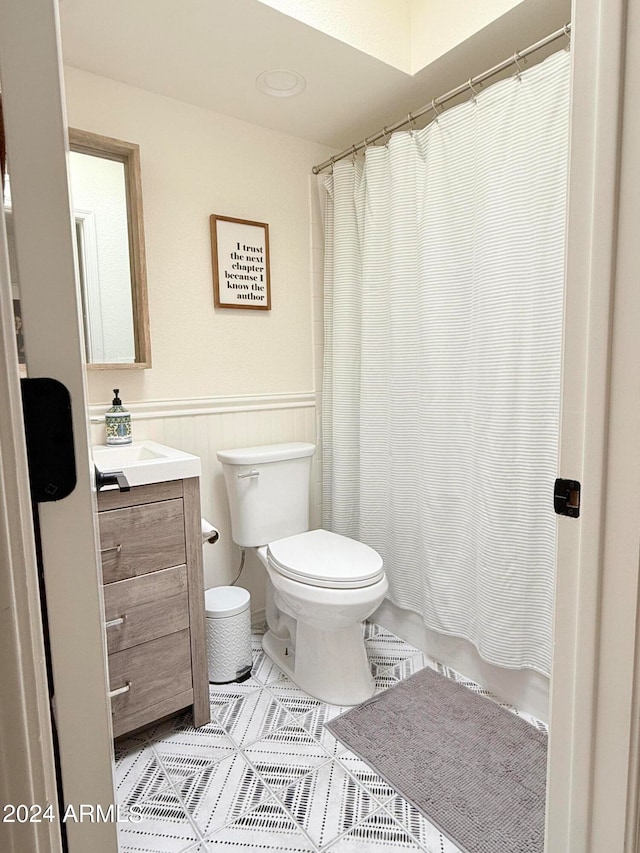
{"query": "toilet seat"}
pixel 325 559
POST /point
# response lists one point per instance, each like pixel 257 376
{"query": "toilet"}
pixel 320 586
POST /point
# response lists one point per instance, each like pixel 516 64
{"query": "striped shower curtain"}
pixel 444 267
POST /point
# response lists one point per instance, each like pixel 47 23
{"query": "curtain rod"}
pixel 452 93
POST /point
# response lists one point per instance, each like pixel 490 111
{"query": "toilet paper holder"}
pixel 209 533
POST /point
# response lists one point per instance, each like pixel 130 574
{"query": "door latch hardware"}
pixel 566 498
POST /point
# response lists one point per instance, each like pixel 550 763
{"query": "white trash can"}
pixel 228 633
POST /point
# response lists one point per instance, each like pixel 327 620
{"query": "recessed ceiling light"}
pixel 280 83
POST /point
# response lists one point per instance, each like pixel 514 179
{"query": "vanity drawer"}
pixel 154 671
pixel 141 539
pixel 141 609
pixel 138 495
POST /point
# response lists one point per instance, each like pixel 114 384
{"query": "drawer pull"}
pixel 244 474
pixel 120 690
pixel 116 548
pixel 115 623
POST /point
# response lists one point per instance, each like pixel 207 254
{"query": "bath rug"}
pixel 475 770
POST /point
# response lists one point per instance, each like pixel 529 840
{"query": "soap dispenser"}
pixel 117 421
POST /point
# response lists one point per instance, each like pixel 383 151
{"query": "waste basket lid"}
pixel 222 601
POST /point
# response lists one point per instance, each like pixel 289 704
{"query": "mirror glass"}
pixel 107 205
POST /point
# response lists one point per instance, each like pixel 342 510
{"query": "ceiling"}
pixel 209 53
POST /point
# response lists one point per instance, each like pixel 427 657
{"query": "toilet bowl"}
pixel 320 586
pixel 327 585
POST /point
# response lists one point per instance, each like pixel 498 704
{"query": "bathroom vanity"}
pixel 154 602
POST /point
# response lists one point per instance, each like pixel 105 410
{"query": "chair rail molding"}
pixel 191 406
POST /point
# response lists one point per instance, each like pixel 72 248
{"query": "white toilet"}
pixel 320 586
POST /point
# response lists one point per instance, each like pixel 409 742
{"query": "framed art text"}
pixel 240 253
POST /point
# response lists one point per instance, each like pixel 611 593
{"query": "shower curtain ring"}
pixel 411 122
pixel 434 107
pixel 470 85
pixel 387 136
pixel 333 160
pixel 567 31
pixel 516 57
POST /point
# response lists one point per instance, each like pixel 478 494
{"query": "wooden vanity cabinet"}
pixel 151 553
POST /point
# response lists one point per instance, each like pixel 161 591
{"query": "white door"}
pixel 30 73
pixel 27 770
pixel 593 773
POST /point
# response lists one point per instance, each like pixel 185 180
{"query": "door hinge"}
pixel 566 498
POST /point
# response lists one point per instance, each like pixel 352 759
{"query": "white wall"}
pixel 195 163
pixel 438 26
pixel 381 28
pixel 220 377
pixel 408 34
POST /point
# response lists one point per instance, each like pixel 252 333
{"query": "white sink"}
pixel 145 462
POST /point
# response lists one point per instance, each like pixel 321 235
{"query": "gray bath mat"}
pixel 475 770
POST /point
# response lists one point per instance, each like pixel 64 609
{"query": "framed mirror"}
pixel 106 190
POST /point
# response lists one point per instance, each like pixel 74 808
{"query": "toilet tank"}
pixel 268 491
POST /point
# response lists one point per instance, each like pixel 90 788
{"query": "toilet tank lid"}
pixel 266 453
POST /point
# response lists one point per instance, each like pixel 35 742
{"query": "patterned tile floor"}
pixel 265 775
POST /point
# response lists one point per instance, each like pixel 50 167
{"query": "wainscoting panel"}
pixel 204 426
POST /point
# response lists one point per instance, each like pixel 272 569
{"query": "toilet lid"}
pixel 321 558
pixel 223 601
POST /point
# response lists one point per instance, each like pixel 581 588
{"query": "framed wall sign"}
pixel 240 253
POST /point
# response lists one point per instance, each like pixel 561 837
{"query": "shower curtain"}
pixel 444 270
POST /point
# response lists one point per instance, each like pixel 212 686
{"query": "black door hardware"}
pixel 46 406
pixel 566 498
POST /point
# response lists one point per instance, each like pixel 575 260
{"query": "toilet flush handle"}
pixel 244 474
